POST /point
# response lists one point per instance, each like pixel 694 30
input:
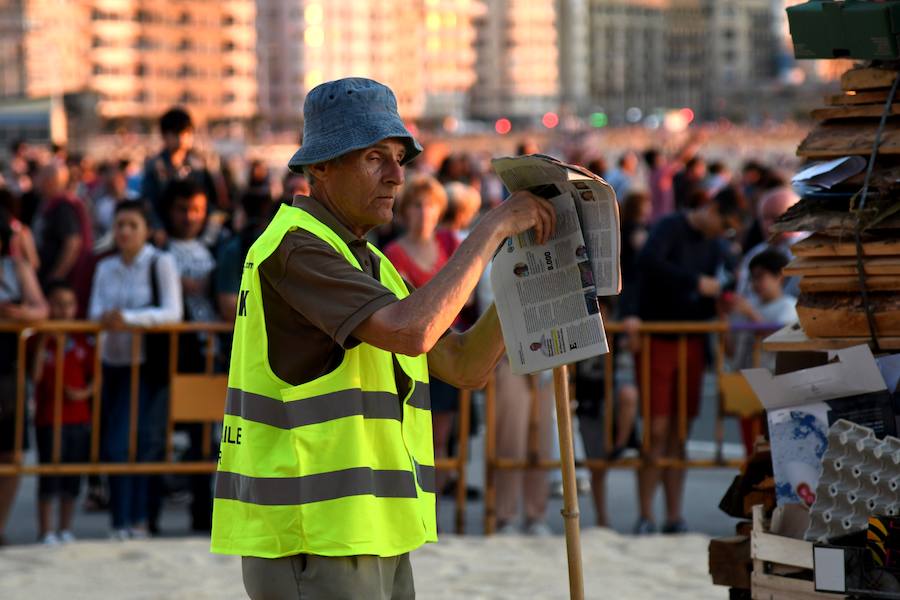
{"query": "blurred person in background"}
pixel 590 393
pixel 186 208
pixel 622 177
pixel 637 211
pixel 258 179
pixel 139 285
pixel 114 191
pixel 661 174
pixel 598 166
pixel 63 232
pixel 177 160
pixel 75 417
pixel 257 209
pixel 17 175
pixel 688 181
pixel 21 301
pixel 677 281
pixel 418 254
pixel 771 206
pixel 717 178
pixel 22 244
pixel 463 204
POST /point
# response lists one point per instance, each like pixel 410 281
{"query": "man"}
pixel 771 206
pixel 176 161
pixel 63 233
pixel 677 282
pixel 326 476
pixel 622 177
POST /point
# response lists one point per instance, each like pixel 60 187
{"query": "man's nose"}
pixel 394 173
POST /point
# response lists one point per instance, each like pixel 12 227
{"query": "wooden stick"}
pixel 462 457
pixel 570 492
pixel 490 456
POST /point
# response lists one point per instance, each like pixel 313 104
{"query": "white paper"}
pixel 854 372
pixel 825 175
pixel 546 295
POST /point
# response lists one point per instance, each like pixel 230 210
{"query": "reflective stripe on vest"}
pixel 337 466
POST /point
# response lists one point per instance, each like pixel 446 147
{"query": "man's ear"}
pixel 317 172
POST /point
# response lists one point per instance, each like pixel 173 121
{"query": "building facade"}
pixel 140 57
pixel 518 60
pixel 628 56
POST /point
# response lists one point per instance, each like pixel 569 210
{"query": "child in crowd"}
pixel 78 362
pixel 769 305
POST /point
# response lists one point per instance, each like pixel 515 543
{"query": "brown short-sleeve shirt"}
pixel 314 299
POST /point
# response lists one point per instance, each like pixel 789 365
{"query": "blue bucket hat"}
pixel 349 114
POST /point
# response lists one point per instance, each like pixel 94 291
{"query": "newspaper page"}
pixel 546 294
pixel 595 201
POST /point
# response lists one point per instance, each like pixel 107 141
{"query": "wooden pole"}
pixel 570 492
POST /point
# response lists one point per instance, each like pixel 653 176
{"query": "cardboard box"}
pixel 801 405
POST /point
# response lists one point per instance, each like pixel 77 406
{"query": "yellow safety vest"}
pixel 339 466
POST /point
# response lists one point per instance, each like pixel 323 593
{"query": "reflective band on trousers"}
pixel 274 491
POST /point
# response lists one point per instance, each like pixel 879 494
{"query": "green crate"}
pixel 850 29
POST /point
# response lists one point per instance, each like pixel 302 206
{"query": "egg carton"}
pixel 859 476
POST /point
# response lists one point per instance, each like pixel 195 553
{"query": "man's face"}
pixel 188 216
pixel 362 185
pixel 178 141
pixel 63 304
pixel 766 285
pixel 715 225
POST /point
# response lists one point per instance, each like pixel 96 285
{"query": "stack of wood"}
pixel 831 303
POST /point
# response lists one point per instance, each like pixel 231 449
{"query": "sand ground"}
pixel 476 568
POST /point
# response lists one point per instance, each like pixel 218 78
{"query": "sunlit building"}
pixel 425 52
pixel 517 67
pixel 628 51
pixel 139 57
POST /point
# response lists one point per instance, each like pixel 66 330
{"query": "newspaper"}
pixel 546 295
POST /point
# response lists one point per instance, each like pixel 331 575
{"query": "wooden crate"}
pixel 782 567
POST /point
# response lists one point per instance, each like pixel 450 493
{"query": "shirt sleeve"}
pixel 65 221
pixel 316 281
pixel 171 308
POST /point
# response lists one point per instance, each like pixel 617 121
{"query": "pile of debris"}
pixel 852 230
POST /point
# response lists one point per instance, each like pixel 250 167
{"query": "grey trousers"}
pixel 310 577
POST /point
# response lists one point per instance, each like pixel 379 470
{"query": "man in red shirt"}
pixel 75 413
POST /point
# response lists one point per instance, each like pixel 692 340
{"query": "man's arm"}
pixel 68 256
pixel 466 360
pixel 414 325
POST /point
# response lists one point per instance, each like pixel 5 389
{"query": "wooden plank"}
pixel 792 338
pixel 854 98
pixel 834 140
pixel 772 587
pixel 781 550
pixel 842 266
pixel 729 561
pixel 853 112
pixel 867 78
pixel 817 285
pixel 824 245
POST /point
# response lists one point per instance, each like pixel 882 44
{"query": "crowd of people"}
pixel 129 245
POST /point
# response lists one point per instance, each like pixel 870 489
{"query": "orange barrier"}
pixel 199 398
pixel 646 331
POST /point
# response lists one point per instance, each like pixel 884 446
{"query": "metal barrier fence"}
pixel 199 398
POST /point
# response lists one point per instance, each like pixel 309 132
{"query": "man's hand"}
pixel 113 320
pixel 13 312
pixel 708 286
pixel 632 327
pixel 522 211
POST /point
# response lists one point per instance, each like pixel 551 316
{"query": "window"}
pixel 185 44
pixel 227 20
pixel 184 18
pixel 228 46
